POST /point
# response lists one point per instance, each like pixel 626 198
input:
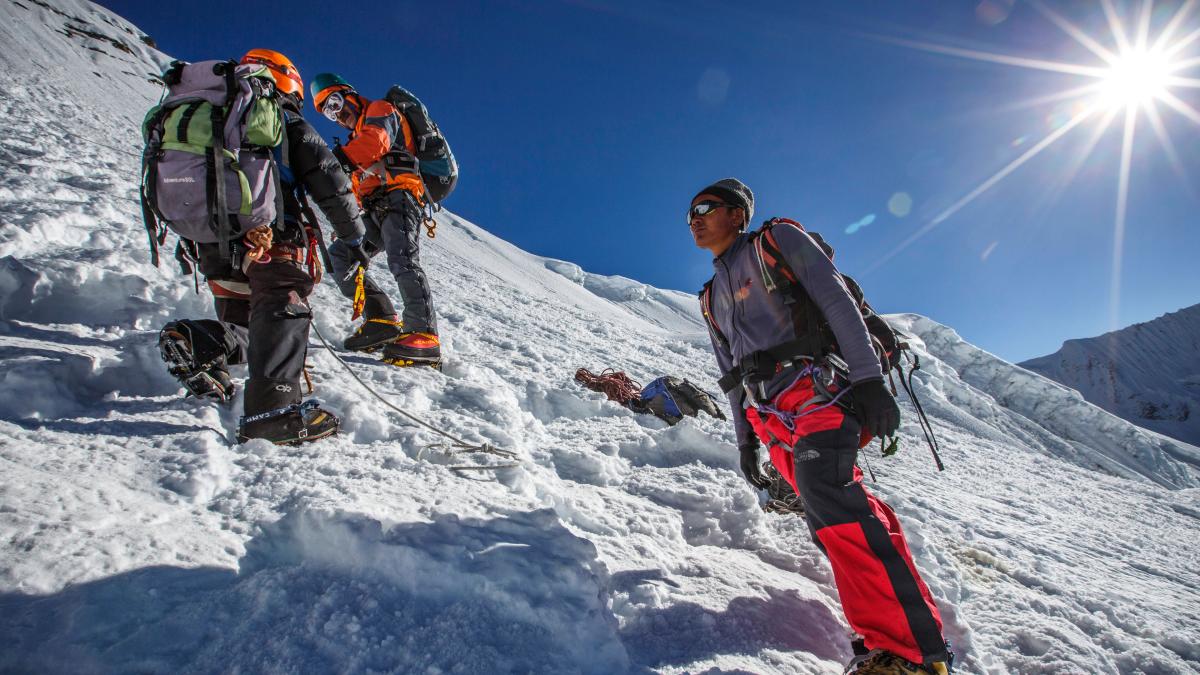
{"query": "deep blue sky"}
pixel 584 127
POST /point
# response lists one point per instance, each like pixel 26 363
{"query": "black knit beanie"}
pixel 733 191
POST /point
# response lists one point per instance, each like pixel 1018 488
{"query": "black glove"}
pixel 876 408
pixel 750 468
pixel 359 254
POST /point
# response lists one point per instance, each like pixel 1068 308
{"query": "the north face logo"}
pixel 807 456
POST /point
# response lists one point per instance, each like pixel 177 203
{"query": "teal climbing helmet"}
pixel 325 84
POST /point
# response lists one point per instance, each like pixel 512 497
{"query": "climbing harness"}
pixel 824 398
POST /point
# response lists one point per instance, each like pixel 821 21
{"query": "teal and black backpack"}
pixel 438 167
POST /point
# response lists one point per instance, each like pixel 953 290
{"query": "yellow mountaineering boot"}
pixel 373 334
pixel 414 349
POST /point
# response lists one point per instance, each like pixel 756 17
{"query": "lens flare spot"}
pixel 713 86
pixel 987 252
pixel 862 222
pixel 900 205
pixel 993 12
pixel 1057 119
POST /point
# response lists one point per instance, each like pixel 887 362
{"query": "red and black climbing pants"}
pixel 883 596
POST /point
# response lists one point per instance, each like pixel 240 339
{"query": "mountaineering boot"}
pixel 373 334
pixel 414 349
pixel 194 359
pixel 292 425
pixel 883 662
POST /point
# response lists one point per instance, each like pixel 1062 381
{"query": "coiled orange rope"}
pixel 614 384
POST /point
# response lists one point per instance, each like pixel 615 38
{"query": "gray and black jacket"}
pixel 753 319
pixel 316 170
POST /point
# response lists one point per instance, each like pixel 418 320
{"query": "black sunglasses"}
pixel 705 208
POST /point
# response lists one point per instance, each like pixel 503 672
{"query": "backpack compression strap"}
pixel 224 230
pixel 156 234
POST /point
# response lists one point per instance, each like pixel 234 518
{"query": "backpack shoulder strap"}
pixel 856 292
pixel 706 309
pixel 776 271
pixel 779 275
pixel 284 151
pixel 728 380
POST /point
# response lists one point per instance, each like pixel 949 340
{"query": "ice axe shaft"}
pixel 360 291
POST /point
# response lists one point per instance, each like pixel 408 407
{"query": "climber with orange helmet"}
pixel 381 158
pixel 261 304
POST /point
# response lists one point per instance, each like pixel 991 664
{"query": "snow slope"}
pixel 135 538
pixel 1148 373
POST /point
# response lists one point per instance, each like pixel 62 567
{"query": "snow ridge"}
pixel 136 537
pixel 1147 373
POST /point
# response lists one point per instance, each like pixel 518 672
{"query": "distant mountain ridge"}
pixel 1148 373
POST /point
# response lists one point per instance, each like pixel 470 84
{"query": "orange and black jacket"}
pixel 381 152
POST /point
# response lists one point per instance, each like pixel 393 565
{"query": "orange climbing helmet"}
pixel 286 76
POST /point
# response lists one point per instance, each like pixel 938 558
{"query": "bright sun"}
pixel 1136 78
pixel 1145 67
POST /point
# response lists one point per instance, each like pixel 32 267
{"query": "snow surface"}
pixel 135 538
pixel 1148 373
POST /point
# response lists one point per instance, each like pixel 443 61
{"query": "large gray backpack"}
pixel 208 167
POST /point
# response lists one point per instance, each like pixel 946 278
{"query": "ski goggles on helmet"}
pixel 706 207
pixel 333 105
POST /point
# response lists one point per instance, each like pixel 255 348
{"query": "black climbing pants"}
pixel 394 226
pixel 263 318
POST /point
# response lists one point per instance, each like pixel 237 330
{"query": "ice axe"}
pixel 359 272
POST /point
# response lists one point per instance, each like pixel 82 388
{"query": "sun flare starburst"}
pixel 1132 78
pixel 1137 77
